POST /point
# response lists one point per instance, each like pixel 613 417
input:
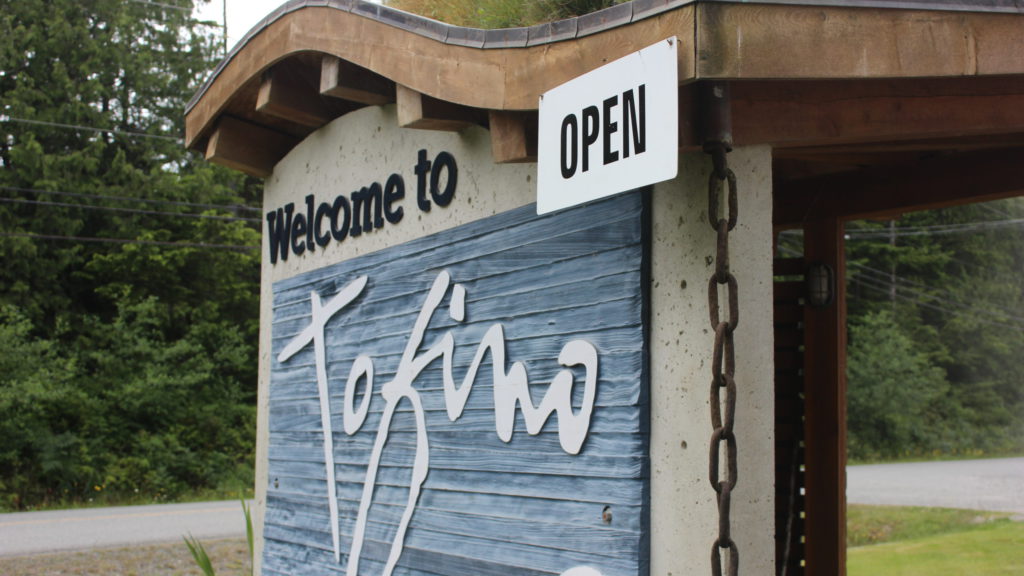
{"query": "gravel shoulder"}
pixel 230 557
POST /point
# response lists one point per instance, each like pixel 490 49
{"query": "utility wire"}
pixel 994 210
pixel 882 277
pixel 935 230
pixel 5 118
pixel 127 210
pixel 130 199
pixel 162 5
pixel 232 247
pixel 179 8
pixel 947 311
pixel 882 286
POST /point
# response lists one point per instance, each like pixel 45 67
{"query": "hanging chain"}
pixel 723 364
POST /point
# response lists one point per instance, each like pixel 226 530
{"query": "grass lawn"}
pixel 905 541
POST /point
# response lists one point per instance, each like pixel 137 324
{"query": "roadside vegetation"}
pixel 908 541
pixel 229 556
pixel 491 14
pixel 935 332
pixel 128 291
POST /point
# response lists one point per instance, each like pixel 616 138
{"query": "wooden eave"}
pixel 832 86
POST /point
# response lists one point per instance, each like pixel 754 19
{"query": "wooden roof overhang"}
pixel 857 98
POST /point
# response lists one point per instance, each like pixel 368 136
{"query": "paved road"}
pixel 996 485
pixel 34 532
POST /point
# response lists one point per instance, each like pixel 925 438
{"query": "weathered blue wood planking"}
pixel 489 299
pixel 533 324
pixel 614 444
pixel 610 419
pixel 614 543
pixel 489 556
pixel 518 228
pixel 486 506
pixel 462 458
pixel 549 487
pixel 529 351
pixel 496 461
pixel 286 507
pixel 306 389
pixel 485 277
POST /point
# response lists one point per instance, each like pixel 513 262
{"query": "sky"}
pixel 242 15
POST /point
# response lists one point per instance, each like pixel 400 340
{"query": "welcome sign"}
pixel 472 402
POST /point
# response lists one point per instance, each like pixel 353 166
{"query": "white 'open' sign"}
pixel 611 130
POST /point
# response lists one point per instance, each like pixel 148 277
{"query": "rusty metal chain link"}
pixel 723 365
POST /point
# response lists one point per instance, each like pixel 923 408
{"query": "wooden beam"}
pixel 492 79
pixel 420 111
pixel 247 147
pixel 690 119
pixel 811 114
pixel 724 41
pixel 825 410
pixel 285 93
pixel 785 41
pixel 888 191
pixel 888 152
pixel 345 80
pixel 513 136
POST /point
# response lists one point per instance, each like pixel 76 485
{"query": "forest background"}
pixel 129 284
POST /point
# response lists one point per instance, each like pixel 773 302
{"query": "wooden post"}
pixel 284 94
pixel 247 147
pixel 347 81
pixel 513 136
pixel 825 401
pixel 416 110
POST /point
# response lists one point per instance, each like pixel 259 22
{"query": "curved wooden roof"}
pixel 806 76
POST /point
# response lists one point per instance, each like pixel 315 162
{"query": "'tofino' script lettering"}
pixel 511 389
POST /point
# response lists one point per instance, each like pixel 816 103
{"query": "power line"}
pixel 994 210
pixel 5 118
pixel 179 8
pixel 233 247
pixel 882 276
pixel 162 5
pixel 918 302
pixel 919 298
pixel 938 229
pixel 127 210
pixel 130 199
pixel 948 306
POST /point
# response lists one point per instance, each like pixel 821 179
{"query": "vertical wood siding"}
pixel 487 507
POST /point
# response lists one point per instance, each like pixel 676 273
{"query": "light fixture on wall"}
pixel 821 285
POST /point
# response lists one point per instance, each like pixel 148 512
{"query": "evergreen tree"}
pixel 130 268
pixel 949 282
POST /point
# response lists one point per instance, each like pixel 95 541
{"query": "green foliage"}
pixel 202 558
pixel 895 404
pixel 198 551
pixel 993 548
pixel 36 391
pixel 128 358
pixel 869 525
pixel 500 13
pixel 936 313
pixel 249 535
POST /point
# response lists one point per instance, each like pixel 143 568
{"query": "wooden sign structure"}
pixel 490 384
pixel 398 155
